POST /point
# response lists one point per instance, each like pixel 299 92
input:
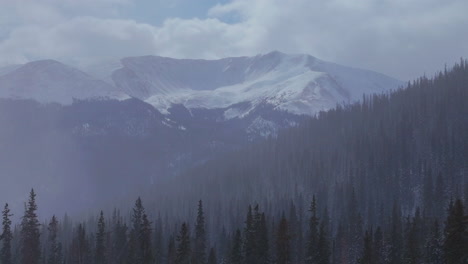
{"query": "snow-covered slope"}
pixel 49 81
pixel 300 84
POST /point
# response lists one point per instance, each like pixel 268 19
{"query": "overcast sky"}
pixel 401 38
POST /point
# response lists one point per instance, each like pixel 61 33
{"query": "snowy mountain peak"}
pixel 49 81
pixel 297 83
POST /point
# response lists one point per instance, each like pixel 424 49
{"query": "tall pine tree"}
pixel 30 235
pixel 55 248
pixel 456 244
pixel 283 237
pixel 183 253
pixel 199 247
pixel 100 251
pixel 6 237
pixel 312 251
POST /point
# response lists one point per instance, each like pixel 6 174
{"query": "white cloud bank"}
pixel 403 38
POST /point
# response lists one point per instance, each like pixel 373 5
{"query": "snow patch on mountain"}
pixel 299 84
pixel 50 81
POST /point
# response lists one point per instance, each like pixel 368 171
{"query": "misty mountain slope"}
pixel 106 149
pixel 408 148
pixel 300 84
pixel 50 81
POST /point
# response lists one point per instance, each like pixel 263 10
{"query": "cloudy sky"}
pixel 401 38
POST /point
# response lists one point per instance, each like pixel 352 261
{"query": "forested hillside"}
pixel 381 181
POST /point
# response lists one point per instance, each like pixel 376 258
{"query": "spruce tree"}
pixel 378 246
pixel 171 252
pixel 456 243
pixel 283 237
pixel 100 251
pixel 323 246
pixel 30 235
pixel 262 241
pixel 236 250
pixel 312 241
pixel 212 257
pixel 55 248
pixel 434 250
pixel 183 254
pixel 120 242
pixel 80 248
pixel 250 243
pixel 199 247
pixel 158 241
pixel 6 237
pixel 145 241
pixel 367 256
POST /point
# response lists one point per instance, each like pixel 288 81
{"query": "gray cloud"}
pixel 403 38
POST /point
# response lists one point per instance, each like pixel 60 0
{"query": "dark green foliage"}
pixel 312 253
pixel 456 242
pixel 235 256
pixel 6 236
pixel 323 246
pixel 100 248
pixel 434 246
pixel 212 259
pixel 55 247
pixel 79 252
pixel 283 247
pixel 171 252
pixel 368 256
pixel 119 241
pixel 145 241
pixel 30 243
pixel 183 254
pixel 199 247
pixel 256 243
pixel 139 241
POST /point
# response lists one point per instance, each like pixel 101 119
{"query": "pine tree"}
pixel 313 235
pixel 79 248
pixel 262 240
pixel 171 252
pixel 55 248
pixel 283 249
pixel 100 253
pixel 236 251
pixel 134 241
pixel 183 253
pixel 120 242
pixel 199 249
pixel 434 250
pixel 30 235
pixel 158 241
pixel 378 246
pixel 145 241
pixel 6 237
pixel 212 257
pixel 455 244
pixel 249 245
pixel 395 239
pixel 412 252
pixel 367 256
pixel 323 246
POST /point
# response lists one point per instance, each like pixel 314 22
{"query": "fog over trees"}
pixel 379 181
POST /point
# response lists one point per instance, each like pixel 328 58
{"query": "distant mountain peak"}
pixel 297 83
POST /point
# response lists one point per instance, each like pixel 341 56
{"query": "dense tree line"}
pixel 261 239
pixel 389 154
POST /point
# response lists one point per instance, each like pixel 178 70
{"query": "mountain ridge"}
pixel 297 83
